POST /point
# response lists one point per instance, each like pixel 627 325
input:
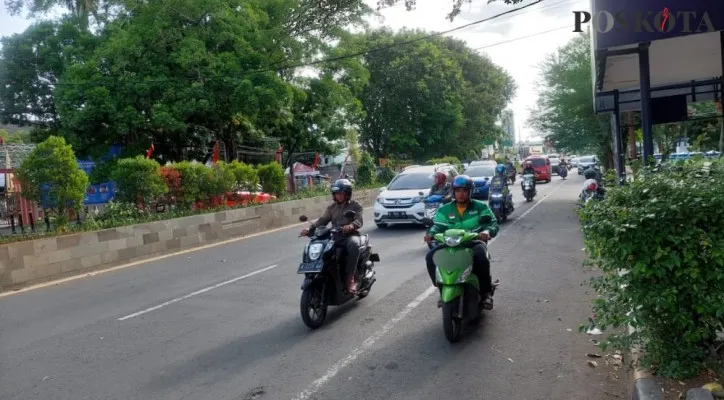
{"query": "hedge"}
pixel 659 242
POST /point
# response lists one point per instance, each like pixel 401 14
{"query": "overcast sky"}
pixel 516 42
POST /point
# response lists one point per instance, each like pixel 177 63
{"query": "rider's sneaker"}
pixel 487 303
pixel 439 303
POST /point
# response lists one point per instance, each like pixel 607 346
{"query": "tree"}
pixel 31 65
pixel 456 8
pixel 424 99
pixel 139 180
pixel 564 111
pixel 53 163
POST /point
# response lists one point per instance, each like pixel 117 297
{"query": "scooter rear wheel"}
pixel 451 325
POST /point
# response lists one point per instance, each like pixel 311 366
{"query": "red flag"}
pixel 150 151
pixel 215 158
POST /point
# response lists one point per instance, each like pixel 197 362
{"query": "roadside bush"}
pixel 385 175
pixel 246 176
pixel 659 242
pixel 271 177
pixel 365 174
pixel 219 181
pixel 192 181
pixel 172 178
pixel 138 180
pixel 53 163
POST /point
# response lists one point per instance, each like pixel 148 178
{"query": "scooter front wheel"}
pixel 312 306
pixel 451 325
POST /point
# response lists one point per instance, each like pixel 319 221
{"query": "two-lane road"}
pixel 223 323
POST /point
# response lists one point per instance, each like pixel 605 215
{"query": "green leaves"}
pixel 662 272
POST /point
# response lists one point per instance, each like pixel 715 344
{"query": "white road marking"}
pixel 176 300
pixel 367 344
pixel 339 365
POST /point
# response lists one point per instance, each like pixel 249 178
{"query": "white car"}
pixel 401 201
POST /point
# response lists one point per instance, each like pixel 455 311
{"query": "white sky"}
pixel 519 56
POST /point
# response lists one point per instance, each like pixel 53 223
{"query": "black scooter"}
pixel 323 283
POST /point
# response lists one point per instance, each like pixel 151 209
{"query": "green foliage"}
pixel 193 176
pixel 564 107
pixel 138 180
pixel 272 179
pixel 386 175
pixel 53 162
pixel 424 99
pixel 245 175
pixel 659 242
pixel 220 179
pixel 457 5
pixel 366 171
pixel 102 171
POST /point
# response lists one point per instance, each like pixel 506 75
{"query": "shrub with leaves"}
pixel 172 178
pixel 271 177
pixel 220 180
pixel 138 179
pixel 659 242
pixel 246 176
pixel 193 175
pixel 53 162
pixel 385 175
pixel 365 175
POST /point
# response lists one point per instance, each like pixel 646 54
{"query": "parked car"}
pixel 542 167
pixel 401 201
pixel 481 175
pixel 585 162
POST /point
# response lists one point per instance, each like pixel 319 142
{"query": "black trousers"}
pixel 349 247
pixel 481 266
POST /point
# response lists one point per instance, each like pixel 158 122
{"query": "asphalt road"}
pixel 223 323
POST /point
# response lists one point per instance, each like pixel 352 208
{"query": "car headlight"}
pixel 417 199
pixel 315 250
pixel 464 276
pixel 453 241
pixel 380 200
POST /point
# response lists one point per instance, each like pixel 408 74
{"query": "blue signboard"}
pixel 100 194
pixel 627 22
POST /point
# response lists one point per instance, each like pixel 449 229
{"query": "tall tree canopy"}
pixel 424 99
pixel 457 5
pixel 564 110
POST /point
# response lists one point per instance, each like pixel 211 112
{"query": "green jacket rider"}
pixel 464 213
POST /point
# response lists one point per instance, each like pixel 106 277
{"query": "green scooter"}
pixel 461 302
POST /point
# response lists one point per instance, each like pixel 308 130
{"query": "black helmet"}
pixel 342 185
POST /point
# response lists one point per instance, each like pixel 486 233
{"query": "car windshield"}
pixel 480 170
pixel 418 180
pixel 585 159
pixel 538 162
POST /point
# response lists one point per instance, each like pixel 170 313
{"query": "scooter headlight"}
pixel 315 250
pixel 496 195
pixel 464 276
pixel 453 241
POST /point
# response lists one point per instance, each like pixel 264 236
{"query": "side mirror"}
pixel 427 222
pixel 350 214
pixel 485 219
pixel 303 218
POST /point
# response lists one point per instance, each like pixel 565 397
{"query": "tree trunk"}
pixel 631 137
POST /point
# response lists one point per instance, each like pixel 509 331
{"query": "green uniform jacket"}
pixel 448 214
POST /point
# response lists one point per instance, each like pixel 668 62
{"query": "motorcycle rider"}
pixel 500 180
pixel 465 213
pixel 441 187
pixel 528 169
pixel 342 196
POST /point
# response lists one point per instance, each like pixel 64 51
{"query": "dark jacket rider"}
pixel 464 213
pixel 342 196
pixel 441 187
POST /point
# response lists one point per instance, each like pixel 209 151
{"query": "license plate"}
pixel 496 206
pixel 310 267
pixel 398 215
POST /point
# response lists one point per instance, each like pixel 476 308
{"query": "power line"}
pixel 329 59
pixel 523 37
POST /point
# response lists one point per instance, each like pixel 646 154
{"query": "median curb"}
pixel 645 386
